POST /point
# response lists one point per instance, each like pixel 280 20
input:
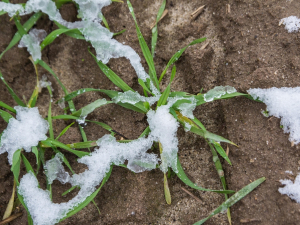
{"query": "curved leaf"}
pixel 50 142
pixel 233 199
pixel 111 75
pixel 5 115
pixel 183 177
pixel 64 130
pixel 27 26
pixel 84 111
pixel 200 97
pixel 54 34
pixel 177 55
pixel 12 93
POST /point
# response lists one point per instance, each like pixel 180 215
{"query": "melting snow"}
pixel 162 124
pixel 218 92
pixel 163 129
pixel 45 212
pixel 43 83
pixel 134 97
pixel 186 109
pixel 12 9
pixel 55 170
pixel 61 103
pixel 292 23
pixel 291 189
pixel 32 42
pixel 282 103
pixel 23 132
pixel 100 37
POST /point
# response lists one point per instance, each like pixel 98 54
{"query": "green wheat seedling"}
pixel 71 113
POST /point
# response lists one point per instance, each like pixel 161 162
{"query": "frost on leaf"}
pixel 90 108
pixel 43 83
pixel 23 132
pixel 186 109
pixel 55 170
pixel 11 9
pixel 282 103
pixel 134 97
pixel 32 42
pixel 218 92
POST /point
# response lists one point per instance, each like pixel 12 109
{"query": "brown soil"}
pixel 247 49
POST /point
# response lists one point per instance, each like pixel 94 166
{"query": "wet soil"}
pixel 246 49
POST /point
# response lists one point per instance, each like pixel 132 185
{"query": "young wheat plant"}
pixel 166 110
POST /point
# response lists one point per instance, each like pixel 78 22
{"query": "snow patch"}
pixel 32 42
pixel 291 189
pixel 292 23
pixel 45 212
pixel 282 103
pixel 11 9
pixel 55 170
pixel 163 128
pixel 23 132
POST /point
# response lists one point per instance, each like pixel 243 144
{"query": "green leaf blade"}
pixel 5 115
pixel 12 93
pixel 111 75
pixel 54 34
pixel 177 55
pixel 84 111
pixel 164 97
pixel 183 177
pixel 221 151
pixel 27 26
pixel 146 52
pixel 233 199
pixel 154 29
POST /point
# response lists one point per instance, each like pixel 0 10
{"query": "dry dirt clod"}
pixel 197 12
